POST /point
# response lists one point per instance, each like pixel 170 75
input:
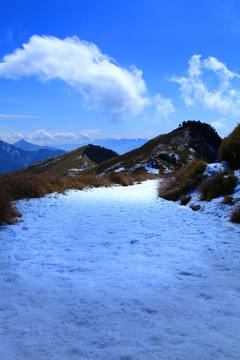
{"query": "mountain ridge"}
pixel 83 158
pixel 27 146
pixel 168 152
pixel 13 158
pixel 164 153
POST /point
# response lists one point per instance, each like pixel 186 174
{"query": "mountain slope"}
pixel 12 158
pixel 85 157
pixel 192 140
pixel 27 146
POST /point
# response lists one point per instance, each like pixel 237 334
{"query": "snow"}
pixel 215 168
pixel 151 170
pixel 117 273
pixel 120 169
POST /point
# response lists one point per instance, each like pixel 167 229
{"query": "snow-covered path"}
pixel 118 273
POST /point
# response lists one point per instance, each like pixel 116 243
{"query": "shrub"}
pixel 228 200
pixel 24 186
pixel 222 183
pixel 8 212
pixel 230 149
pixel 185 199
pixel 120 178
pixel 195 207
pixel 235 217
pixel 185 180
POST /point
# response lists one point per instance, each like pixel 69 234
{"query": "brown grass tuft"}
pixel 185 199
pixel 222 183
pixel 228 200
pixel 120 178
pixel 235 217
pixel 230 149
pixel 183 181
pixel 24 186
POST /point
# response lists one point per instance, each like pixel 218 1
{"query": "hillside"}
pixel 85 157
pixel 12 158
pixel 192 140
pixel 27 146
pixel 168 152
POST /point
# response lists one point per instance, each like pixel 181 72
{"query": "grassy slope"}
pixel 168 142
pixel 167 151
pixel 65 162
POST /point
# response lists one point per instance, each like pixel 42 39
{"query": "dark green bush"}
pixel 222 183
pixel 186 179
pixel 230 149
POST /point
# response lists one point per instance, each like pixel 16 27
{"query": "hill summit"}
pixel 83 158
pixel 168 152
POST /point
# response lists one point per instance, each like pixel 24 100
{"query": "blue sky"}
pixel 77 70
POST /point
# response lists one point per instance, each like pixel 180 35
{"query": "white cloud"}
pixel 81 65
pixel 219 124
pixel 164 106
pixel 48 136
pixel 195 66
pixel 16 116
pixel 223 126
pixel 195 87
pixel 221 70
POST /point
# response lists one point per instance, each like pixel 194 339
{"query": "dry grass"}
pixel 24 186
pixel 185 199
pixel 222 183
pixel 228 200
pixel 230 149
pixel 8 212
pixel 235 217
pixel 183 181
pixel 120 178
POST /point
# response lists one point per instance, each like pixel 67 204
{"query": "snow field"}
pixel 117 273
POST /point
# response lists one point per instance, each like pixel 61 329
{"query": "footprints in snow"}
pixel 188 273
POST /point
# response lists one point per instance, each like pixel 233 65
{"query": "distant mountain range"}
pixel 167 152
pixel 13 158
pixel 27 146
pixel 23 153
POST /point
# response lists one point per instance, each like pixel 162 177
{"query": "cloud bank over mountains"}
pixel 83 66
